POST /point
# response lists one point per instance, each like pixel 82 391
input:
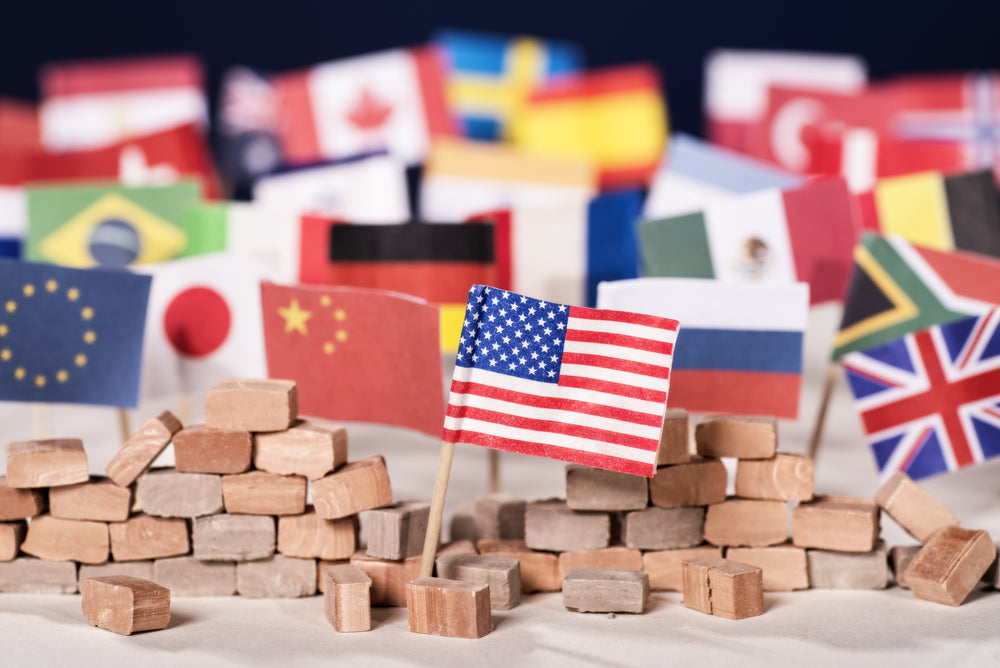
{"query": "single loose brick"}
pixel 188 576
pixel 784 477
pixel 276 577
pixel 830 569
pixel 740 436
pixel 170 493
pixel 785 566
pixel 723 588
pixel 950 565
pixel 539 570
pixel 615 558
pixel 699 482
pixel 28 575
pixel 502 574
pixel 125 604
pixel 464 526
pixel 605 590
pixel 665 568
pixel 745 522
pixel 397 531
pixel 389 578
pixel 262 493
pixel 497 516
pixel 551 525
pixel 306 449
pixel 11 536
pixel 675 438
pixel 839 523
pixel 19 504
pixel 252 404
pixel 148 537
pixel 99 500
pixel 142 448
pixel 913 508
pixel 46 463
pixel 347 598
pixel 233 537
pixel 449 608
pixel 589 488
pixel 900 557
pixel 54 539
pixel 360 485
pixel 199 449
pixel 664 528
pixel 310 536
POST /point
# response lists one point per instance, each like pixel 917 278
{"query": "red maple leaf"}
pixel 369 113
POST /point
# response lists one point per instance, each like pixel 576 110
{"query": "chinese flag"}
pixel 357 354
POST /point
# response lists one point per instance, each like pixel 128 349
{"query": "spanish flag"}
pixel 615 117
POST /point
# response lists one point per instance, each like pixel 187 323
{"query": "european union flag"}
pixel 70 335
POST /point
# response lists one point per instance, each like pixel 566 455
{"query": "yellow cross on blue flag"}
pixel 70 335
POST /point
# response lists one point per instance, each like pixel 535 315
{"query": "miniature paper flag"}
pixel 930 401
pixel 898 288
pixel 204 324
pixel 462 179
pixel 581 385
pixel 612 247
pixel 616 117
pixel 89 104
pixel 357 354
pixel 935 211
pixel 695 175
pixel 773 236
pixel 740 347
pixel 13 220
pixel 19 125
pixel 69 335
pixel 433 261
pixel 247 128
pixel 392 100
pixel 489 77
pixel 88 226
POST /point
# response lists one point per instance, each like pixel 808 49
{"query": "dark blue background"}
pixel 894 36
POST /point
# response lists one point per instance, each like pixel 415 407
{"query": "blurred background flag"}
pixel 930 401
pixel 740 347
pixel 247 128
pixel 357 354
pixel 612 247
pixel 19 124
pixel 70 335
pixel 490 76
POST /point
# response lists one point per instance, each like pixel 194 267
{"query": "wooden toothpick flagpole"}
pixel 123 424
pixel 494 470
pixel 437 509
pixel 832 373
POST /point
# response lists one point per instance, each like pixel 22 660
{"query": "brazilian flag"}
pixel 108 226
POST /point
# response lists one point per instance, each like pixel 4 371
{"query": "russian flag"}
pixel 740 346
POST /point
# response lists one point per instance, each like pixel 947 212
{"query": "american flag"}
pixel 582 385
pixel 930 401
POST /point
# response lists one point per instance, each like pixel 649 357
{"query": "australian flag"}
pixel 930 401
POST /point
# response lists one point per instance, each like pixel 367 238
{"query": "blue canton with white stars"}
pixel 512 334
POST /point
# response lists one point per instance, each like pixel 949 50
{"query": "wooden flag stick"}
pixel 43 420
pixel 437 509
pixel 185 408
pixel 832 373
pixel 494 456
pixel 123 424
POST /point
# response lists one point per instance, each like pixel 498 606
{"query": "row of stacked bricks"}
pixel 230 518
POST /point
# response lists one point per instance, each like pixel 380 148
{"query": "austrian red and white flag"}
pixel 392 100
pixel 203 323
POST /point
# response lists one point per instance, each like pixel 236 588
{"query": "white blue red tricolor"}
pixel 577 384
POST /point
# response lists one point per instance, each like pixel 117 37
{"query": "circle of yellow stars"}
pixel 296 320
pixel 29 291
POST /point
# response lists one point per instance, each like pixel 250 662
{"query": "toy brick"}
pixel 262 493
pixel 675 439
pixel 589 488
pixel 464 525
pixel 188 576
pixel 664 528
pixel 27 575
pixel 233 537
pixel 252 404
pixel 551 525
pixel 11 537
pixel 913 508
pixel 305 449
pixel 449 608
pixel 498 516
pixel 389 578
pixel 19 504
pixel 539 570
pixel 360 485
pixel 199 449
pixel 396 531
pixel 784 477
pixel 785 567
pixel 54 539
pixel 699 482
pixel 276 577
pixel 950 565
pixel 320 565
pixel 125 604
pixel 169 493
pixel 992 576
pixel 745 522
pixel 312 537
pixel 502 574
pixel 99 500
pixel 615 558
pixel 900 557
pixel 135 569
pixel 458 547
pixel 605 590
pixel 148 537
pixel 347 598
pixel 142 448
pixel 830 569
pixel 665 568
pixel 723 588
pixel 740 436
pixel 46 463
pixel 838 523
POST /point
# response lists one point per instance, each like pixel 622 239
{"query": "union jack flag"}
pixel 930 401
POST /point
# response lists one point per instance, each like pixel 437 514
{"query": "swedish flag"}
pixel 70 335
pixel 107 226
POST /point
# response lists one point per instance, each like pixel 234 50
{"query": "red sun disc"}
pixel 197 321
